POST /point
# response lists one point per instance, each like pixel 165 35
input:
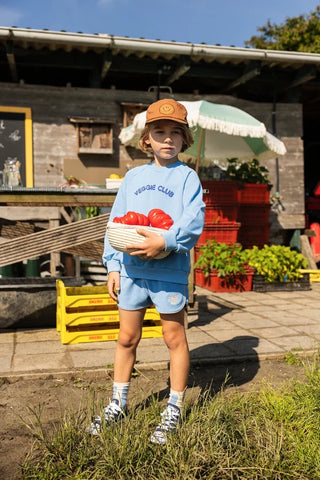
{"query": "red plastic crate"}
pixel 221 232
pixel 253 214
pixel 254 193
pixel 240 283
pixel 249 236
pixel 216 192
pixel 221 213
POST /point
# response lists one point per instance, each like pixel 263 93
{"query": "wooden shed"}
pixel 71 93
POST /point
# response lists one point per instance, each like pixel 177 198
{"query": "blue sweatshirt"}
pixel 176 190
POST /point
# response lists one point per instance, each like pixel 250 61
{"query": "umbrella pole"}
pixel 199 150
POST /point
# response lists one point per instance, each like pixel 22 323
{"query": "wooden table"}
pixel 55 197
pixel 60 197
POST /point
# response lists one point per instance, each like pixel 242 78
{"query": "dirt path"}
pixel 22 397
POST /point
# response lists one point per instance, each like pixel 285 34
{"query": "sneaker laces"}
pixel 112 413
pixel 170 419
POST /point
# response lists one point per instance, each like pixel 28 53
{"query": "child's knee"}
pixel 129 340
pixel 173 338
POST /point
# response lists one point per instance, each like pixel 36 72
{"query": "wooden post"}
pixel 199 149
pixel 307 252
pixel 54 256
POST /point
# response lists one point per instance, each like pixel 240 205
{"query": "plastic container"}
pixel 217 192
pixel 32 267
pixel 314 275
pixel 253 214
pixel 238 283
pixel 250 235
pixel 260 285
pixel 222 232
pixel 257 193
pixel 221 213
pixel 88 314
pixel 113 183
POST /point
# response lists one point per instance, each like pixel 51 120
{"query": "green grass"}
pixel 271 433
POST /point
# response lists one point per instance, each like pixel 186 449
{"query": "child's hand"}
pixel 150 248
pixel 113 285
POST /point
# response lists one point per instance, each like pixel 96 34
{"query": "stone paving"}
pixel 222 327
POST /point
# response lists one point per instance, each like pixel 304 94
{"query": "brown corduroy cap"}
pixel 167 109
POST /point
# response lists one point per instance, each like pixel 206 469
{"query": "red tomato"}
pixel 130 218
pixel 155 212
pixel 165 223
pixel 142 220
pixel 158 218
pixel 117 220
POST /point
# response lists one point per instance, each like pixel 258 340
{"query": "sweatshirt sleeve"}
pixel 185 232
pixel 112 258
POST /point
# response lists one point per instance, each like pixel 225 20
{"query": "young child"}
pixel 138 280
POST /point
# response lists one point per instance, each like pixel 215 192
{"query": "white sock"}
pixel 120 392
pixel 176 398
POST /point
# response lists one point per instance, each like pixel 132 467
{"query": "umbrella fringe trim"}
pixel 231 128
pixel 275 144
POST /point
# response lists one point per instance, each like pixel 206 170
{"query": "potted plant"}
pixel 247 172
pixel 277 267
pixel 253 180
pixel 222 267
pixel 253 197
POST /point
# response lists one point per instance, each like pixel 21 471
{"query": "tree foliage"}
pixel 299 34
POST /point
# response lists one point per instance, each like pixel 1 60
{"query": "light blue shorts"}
pixel 167 297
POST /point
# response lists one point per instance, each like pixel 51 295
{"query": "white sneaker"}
pixel 170 420
pixel 113 413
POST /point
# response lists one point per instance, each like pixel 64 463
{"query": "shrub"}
pixel 225 259
pixel 276 263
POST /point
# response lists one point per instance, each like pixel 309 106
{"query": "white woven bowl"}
pixel 120 235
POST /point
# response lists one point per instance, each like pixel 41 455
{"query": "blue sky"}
pixel 225 22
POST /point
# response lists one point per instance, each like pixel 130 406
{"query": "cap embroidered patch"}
pixel 166 109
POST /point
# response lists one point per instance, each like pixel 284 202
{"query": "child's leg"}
pixel 131 322
pixel 175 338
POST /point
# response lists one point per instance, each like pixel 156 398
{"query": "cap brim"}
pixel 184 122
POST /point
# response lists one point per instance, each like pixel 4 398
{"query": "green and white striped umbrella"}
pixel 220 132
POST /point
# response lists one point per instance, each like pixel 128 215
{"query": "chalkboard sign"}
pixel 16 140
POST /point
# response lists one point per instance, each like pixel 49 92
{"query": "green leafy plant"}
pixel 247 172
pixel 276 263
pixel 90 212
pixel 226 259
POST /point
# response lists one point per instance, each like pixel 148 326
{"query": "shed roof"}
pixel 102 60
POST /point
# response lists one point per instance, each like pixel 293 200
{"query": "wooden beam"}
pixel 183 66
pixel 53 240
pixel 304 75
pixel 106 64
pixel 250 72
pixel 11 61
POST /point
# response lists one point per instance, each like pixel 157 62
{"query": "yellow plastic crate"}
pixel 103 335
pixel 314 275
pixel 82 299
pixel 81 319
pixel 100 332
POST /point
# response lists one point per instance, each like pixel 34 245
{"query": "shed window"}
pixel 94 136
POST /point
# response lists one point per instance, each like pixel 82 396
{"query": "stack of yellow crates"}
pixel 89 314
pixel 314 275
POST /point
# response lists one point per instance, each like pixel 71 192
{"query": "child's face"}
pixel 165 139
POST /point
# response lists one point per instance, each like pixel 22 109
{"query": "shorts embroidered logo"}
pixel 174 299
